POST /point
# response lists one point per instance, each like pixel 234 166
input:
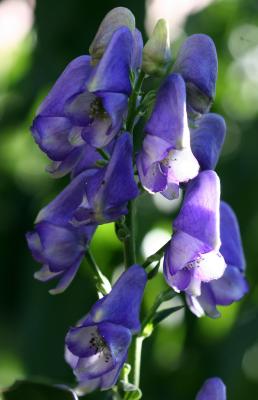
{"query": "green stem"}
pixel 137 354
pixel 129 241
pixel 133 102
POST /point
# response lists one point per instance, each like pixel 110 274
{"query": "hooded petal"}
pixel 113 70
pixel 231 287
pixel 72 81
pixel 212 389
pixel 231 243
pixel 197 63
pixel 122 305
pixel 61 246
pixel 207 140
pixel 116 18
pixel 137 50
pixel 109 190
pixel 52 135
pixel 60 211
pixel 199 215
pixel 168 120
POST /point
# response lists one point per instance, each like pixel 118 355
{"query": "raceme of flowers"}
pixel 85 126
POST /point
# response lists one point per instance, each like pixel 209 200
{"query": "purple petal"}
pixel 231 243
pixel 212 389
pixel 168 119
pixel 207 140
pixel 66 278
pixel 78 340
pixel 231 287
pixel 182 250
pixel 61 246
pixel 45 275
pixel 52 136
pixel 122 305
pixel 209 266
pixel 207 301
pixel 197 63
pixel 180 281
pixel 137 50
pixel 199 215
pixel 71 81
pixel 112 72
pixel 102 130
pixel 118 185
pixel 61 209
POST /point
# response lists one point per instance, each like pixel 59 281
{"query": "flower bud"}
pixel 115 19
pixel 156 52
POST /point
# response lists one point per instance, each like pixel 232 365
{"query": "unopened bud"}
pixel 156 52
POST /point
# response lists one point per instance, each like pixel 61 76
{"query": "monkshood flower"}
pixel 60 249
pixel 232 286
pixel 166 158
pixel 96 196
pixel 198 64
pixel 207 138
pixel 97 347
pixel 193 255
pixel 212 389
pixel 86 106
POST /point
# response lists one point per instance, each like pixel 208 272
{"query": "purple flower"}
pixel 96 196
pixel 97 347
pixel 232 286
pixel 197 63
pixel 86 107
pixel 166 159
pixel 207 139
pixel 212 389
pixel 193 255
pixel 60 249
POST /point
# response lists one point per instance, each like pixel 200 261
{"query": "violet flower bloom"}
pixel 198 64
pixel 232 286
pixel 166 159
pixel 212 389
pixel 86 105
pixel 96 196
pixel 207 139
pixel 193 255
pixel 60 249
pixel 97 347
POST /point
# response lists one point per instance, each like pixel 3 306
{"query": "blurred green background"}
pixel 37 40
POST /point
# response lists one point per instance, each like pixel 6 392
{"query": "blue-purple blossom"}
pixel 232 286
pixel 86 106
pixel 198 64
pixel 65 226
pixel 193 254
pixel 207 138
pixel 212 389
pixel 166 158
pixel 60 249
pixel 97 347
pixel 97 196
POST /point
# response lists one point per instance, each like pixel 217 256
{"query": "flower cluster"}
pixel 85 127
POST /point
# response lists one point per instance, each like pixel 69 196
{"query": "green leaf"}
pixel 160 315
pixel 26 390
